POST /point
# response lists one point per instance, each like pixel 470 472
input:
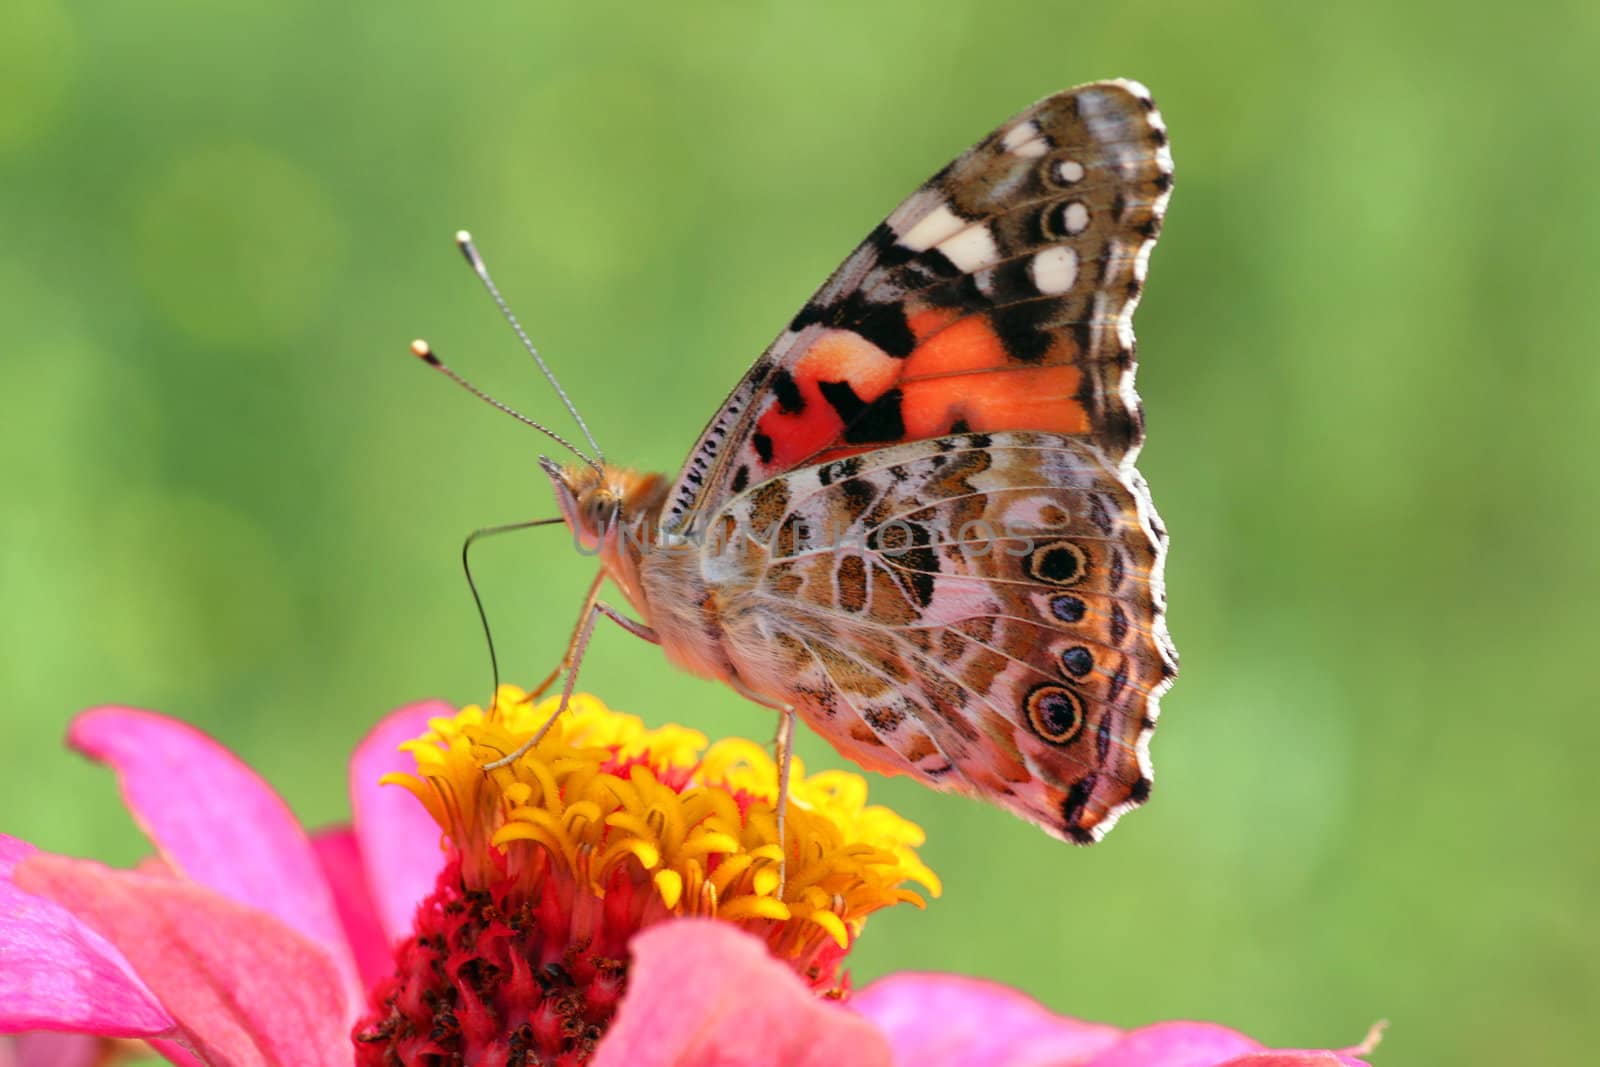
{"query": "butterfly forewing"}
pixel 999 296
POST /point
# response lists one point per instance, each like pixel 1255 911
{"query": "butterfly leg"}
pixel 580 643
pixel 785 746
pixel 783 753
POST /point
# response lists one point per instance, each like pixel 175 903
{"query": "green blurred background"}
pixel 1368 356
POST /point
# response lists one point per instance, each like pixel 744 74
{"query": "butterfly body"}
pixel 916 521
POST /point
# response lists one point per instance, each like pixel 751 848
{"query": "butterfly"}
pixel 916 522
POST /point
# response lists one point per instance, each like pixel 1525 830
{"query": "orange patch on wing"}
pixel 959 373
pixel 796 436
pixel 970 344
pixel 930 320
pixel 836 356
pixel 846 356
pixel 1015 398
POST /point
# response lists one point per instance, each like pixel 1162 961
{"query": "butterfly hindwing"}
pixel 981 612
pixel 998 297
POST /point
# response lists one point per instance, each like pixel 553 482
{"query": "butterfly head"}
pixel 602 505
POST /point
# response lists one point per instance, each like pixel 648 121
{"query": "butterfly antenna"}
pixel 470 250
pixel 423 351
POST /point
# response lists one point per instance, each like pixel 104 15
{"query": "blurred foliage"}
pixel 1369 361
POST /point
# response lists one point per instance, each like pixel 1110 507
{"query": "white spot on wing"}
pixel 937 225
pixel 1076 217
pixel 1069 171
pixel 1054 270
pixel 1019 135
pixel 971 249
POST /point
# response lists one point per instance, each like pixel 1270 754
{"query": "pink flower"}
pixel 251 943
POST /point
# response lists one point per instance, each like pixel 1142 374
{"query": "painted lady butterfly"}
pixel 916 521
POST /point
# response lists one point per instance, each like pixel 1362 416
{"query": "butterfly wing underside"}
pixel 950 566
pixel 982 612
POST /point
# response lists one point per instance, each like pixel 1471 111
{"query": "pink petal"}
pixel 704 994
pixel 1348 1057
pixel 215 820
pixel 340 857
pixel 936 1020
pixel 245 989
pixel 40 1048
pixel 1290 1058
pixel 400 842
pixel 57 974
pixel 156 867
pixel 1177 1044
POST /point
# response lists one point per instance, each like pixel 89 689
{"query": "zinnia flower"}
pixel 611 898
pixel 601 830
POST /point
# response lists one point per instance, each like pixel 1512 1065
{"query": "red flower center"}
pixel 490 977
